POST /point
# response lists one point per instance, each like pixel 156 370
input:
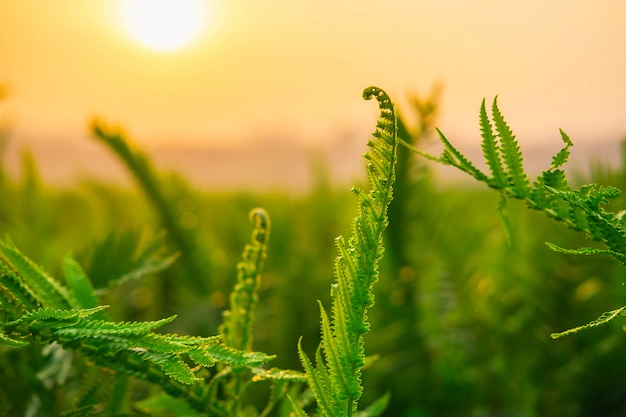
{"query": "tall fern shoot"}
pixel 336 379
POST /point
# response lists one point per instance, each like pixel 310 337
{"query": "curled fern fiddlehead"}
pixel 236 329
pixel 335 380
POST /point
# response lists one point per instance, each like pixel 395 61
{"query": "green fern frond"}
pixel 132 344
pixel 40 322
pixel 16 295
pixel 491 149
pixel 550 192
pixel 336 354
pixel 100 328
pixel 511 154
pixel 320 366
pixel 133 348
pixel 592 196
pixel 319 383
pixel 237 326
pixel 580 210
pixel 48 317
pixel 562 156
pixel 171 365
pixel 237 329
pixel 587 215
pixel 201 357
pixel 620 257
pixel 543 199
pixel 11 342
pixel 168 371
pixel 604 318
pixel 555 179
pixel 134 352
pixel 48 291
pixel 237 358
pixel 336 382
pixel 452 156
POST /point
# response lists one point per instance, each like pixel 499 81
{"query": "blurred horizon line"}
pixel 269 163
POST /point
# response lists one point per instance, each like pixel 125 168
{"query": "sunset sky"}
pixel 296 69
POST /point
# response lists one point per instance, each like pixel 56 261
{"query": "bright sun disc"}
pixel 164 25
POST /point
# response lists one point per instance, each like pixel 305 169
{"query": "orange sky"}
pixel 296 69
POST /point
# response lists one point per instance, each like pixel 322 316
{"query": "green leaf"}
pixel 49 291
pixel 47 317
pixel 589 251
pixel 562 156
pixel 491 150
pixel 238 322
pixel 511 154
pixel 10 342
pixel 171 366
pixel 336 384
pixel 604 318
pixel 319 385
pixel 15 293
pixel 223 353
pixel 339 373
pixel 100 328
pixel 201 357
pixel 452 156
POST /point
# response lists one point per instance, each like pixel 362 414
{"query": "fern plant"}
pixel 36 307
pixel 335 380
pixel 579 209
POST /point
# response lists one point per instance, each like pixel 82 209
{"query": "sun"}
pixel 164 25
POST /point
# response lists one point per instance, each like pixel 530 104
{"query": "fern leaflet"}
pixel 50 290
pixel 604 318
pixel 511 153
pixel 491 149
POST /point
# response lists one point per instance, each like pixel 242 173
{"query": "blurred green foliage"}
pixel 462 320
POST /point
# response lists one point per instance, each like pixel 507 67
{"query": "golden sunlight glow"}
pixel 164 25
